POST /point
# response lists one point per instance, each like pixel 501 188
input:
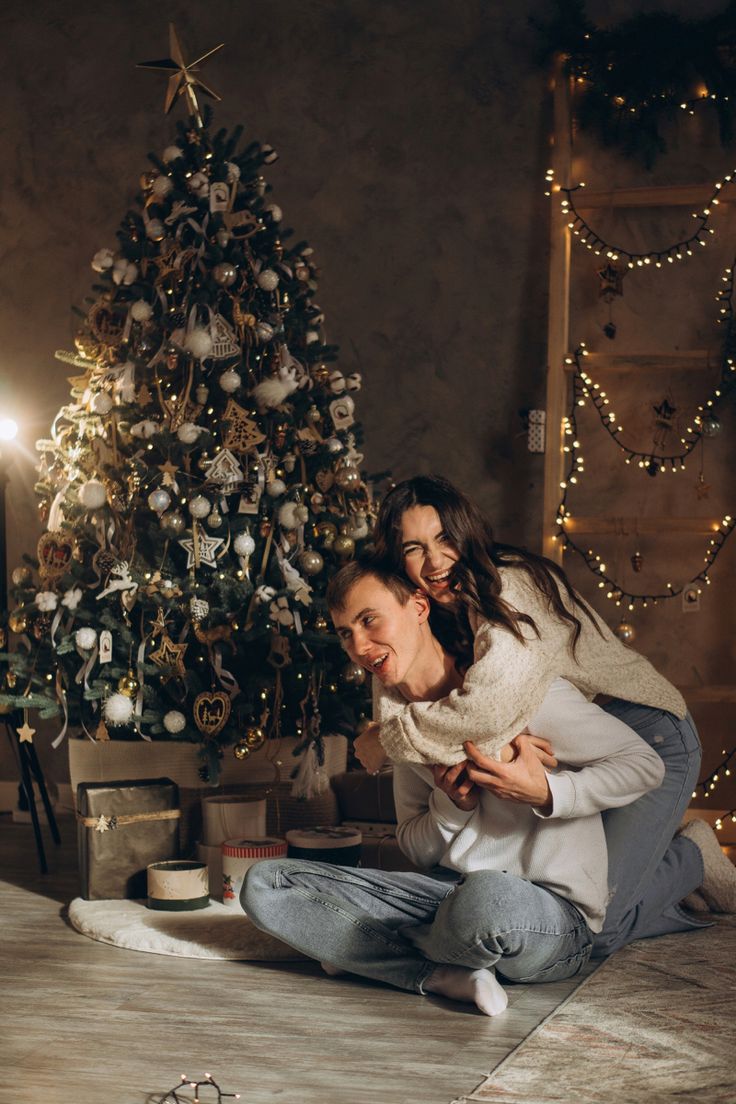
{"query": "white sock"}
pixel 332 971
pixel 477 987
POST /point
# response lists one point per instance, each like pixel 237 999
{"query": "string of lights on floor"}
pixel 614 591
pixel 173 1095
pixel 704 423
pixel 589 237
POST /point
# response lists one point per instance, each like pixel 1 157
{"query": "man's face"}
pixel 380 633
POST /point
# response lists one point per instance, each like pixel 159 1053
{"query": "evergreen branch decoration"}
pixel 634 79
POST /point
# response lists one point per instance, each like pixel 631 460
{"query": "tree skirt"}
pixel 214 932
pixel 654 1023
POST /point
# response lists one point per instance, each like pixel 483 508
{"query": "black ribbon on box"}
pixel 123 827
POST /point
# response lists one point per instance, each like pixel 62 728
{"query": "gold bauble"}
pixel 625 631
pixel 320 623
pixel 343 546
pixel 241 750
pixel 320 373
pixel 347 477
pixel 326 531
pixel 17 621
pixel 353 674
pixel 254 737
pixel 129 685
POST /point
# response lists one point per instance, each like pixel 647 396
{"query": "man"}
pixel 518 886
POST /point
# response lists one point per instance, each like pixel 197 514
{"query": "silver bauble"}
pixel 264 332
pixel 353 674
pixel 311 562
pixel 225 274
pixel 625 631
pixel 172 523
pixel 159 500
pixel 710 425
pixel 267 280
pixel 199 506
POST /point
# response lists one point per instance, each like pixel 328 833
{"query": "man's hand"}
pixel 369 750
pixel 523 779
pixel 455 783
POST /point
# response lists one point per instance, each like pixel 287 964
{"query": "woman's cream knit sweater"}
pixel 509 678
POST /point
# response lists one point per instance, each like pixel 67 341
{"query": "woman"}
pixel 514 622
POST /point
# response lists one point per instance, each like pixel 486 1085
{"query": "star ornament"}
pixel 170 658
pixel 26 733
pixel 205 551
pixel 183 80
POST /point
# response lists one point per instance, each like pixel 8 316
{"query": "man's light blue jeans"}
pixel 650 870
pixel 396 927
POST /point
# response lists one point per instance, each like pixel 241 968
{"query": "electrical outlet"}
pixel 535 433
pixel 691 598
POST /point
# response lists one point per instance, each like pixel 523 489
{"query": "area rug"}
pixel 214 932
pixel 654 1024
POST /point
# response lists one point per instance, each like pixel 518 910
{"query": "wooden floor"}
pixel 85 1023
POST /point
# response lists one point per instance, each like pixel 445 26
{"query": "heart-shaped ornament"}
pixel 211 711
pixel 324 480
pixel 55 551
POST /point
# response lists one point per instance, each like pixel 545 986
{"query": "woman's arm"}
pixel 428 819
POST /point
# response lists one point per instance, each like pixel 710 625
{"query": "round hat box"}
pixel 238 856
pixel 178 885
pixel 340 846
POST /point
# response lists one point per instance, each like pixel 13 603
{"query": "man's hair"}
pixel 347 577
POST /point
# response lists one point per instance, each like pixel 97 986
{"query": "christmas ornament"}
pixel 264 332
pixel 17 621
pixel 141 311
pixel 353 674
pixel 155 230
pixel 198 342
pixel 347 478
pixel 230 381
pixel 40 627
pixel 102 260
pixel 21 576
pixel 254 737
pixel 206 549
pixel 201 393
pixel 224 344
pixel 664 413
pixel 85 638
pixel 241 751
pixel 211 711
pixel 320 624
pixel 326 531
pixel 105 653
pixel 101 403
pixel 710 425
pixel 170 658
pixel 159 500
pixel 118 709
pixel 101 733
pixel 267 280
pixel 275 488
pixel 311 562
pixel 129 685
pixel 637 561
pixel 225 274
pixel 47 601
pixel 274 211
pixel 343 546
pixel 174 722
pixel 341 412
pixel 171 153
pixel 199 506
pixel 625 631
pixel 225 472
pixel 25 732
pixel 241 433
pixel 172 523
pixel 199 609
pixel 244 545
pixel 92 494
pixel 188 433
pixel 354 381
pixel 161 187
pixel 214 520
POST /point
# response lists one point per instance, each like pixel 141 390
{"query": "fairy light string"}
pixel 588 236
pixel 650 461
pixel 173 1095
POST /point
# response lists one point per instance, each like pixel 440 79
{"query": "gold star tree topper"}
pixel 183 80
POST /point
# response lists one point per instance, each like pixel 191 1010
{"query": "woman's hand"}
pixel 522 779
pixel 369 750
pixel 455 783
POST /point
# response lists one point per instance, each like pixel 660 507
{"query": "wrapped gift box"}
pixel 364 796
pixel 122 827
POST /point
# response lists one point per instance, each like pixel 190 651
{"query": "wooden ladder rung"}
pixel 645 526
pixel 664 195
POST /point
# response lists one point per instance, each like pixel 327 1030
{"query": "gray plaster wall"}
pixel 413 137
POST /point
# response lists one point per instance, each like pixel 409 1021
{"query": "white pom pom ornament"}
pixel 102 260
pixel 92 494
pixel 229 381
pixel 171 153
pixel 198 342
pixel 85 638
pixel 276 488
pixel 174 721
pixel 244 545
pixel 188 433
pixel 141 311
pixel 161 186
pixel 118 709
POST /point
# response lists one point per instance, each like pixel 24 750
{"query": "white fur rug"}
pixel 214 932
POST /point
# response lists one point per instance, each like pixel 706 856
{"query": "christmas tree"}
pixel 202 482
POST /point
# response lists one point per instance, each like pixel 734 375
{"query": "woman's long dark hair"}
pixel 476 573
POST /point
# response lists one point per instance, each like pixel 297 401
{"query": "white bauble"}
pixel 198 342
pixel 188 433
pixel 118 709
pixel 92 494
pixel 171 153
pixel 311 336
pixel 144 429
pixel 267 280
pixel 101 403
pixel 244 545
pixel 141 311
pixel 174 721
pixel 159 500
pixel 287 516
pixel 233 172
pixel 155 230
pixel 276 488
pixel 229 381
pixel 161 186
pixel 102 260
pixel 199 506
pixel 337 382
pixel 199 185
pixel 85 638
pixel 264 332
pixel 275 212
pixel 354 381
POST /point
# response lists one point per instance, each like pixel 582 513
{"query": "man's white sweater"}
pixel 605 765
